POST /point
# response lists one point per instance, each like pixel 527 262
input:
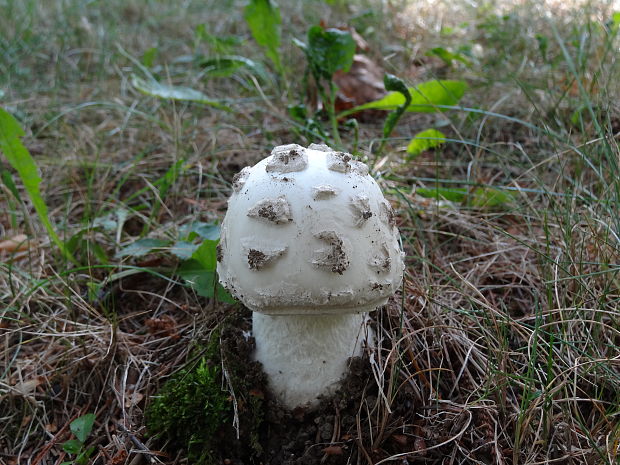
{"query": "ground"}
pixel 501 347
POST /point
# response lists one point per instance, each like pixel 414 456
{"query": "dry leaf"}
pixel 257 393
pixel 363 83
pixel 119 458
pixel 333 450
pixel 51 428
pixel 133 399
pixel 27 388
pixel 17 243
pixel 165 326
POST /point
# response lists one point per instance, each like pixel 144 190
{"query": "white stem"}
pixel 305 356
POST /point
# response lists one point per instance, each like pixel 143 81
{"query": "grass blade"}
pixel 21 160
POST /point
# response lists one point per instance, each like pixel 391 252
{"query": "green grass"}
pixel 509 325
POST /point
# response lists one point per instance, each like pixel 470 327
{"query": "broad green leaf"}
pixel 148 58
pixel 447 56
pixel 329 50
pixel 72 446
pixel 199 272
pixel 181 93
pixel 226 65
pixel 425 140
pixel 424 97
pixel 142 247
pixel 183 249
pixel 453 194
pixel 264 21
pixel 82 426
pixel 111 221
pixel 206 254
pixel 480 197
pixel 21 160
pixel 202 229
pixel 488 197
pixel 84 456
pixel 219 44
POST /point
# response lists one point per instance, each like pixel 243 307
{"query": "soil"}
pixel 331 433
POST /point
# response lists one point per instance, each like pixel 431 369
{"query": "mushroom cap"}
pixel 308 231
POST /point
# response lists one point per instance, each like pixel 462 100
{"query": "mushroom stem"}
pixel 306 355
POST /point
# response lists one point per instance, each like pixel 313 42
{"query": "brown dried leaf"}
pixel 363 83
pixel 333 450
pixel 51 427
pixel 420 445
pixel 119 458
pixel 165 326
pixel 17 243
pixel 400 439
pixel 28 387
pixel 256 393
pixel 133 399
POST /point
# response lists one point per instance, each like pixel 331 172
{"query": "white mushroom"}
pixel 310 246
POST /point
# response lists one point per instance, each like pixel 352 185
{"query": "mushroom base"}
pixel 306 356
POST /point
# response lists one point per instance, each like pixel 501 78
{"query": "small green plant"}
pixel 198 260
pixel 21 160
pixel 427 97
pixel 81 428
pixel 191 407
pixel 264 20
pixel 328 51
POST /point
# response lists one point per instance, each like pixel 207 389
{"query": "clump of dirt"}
pixel 262 430
pixel 325 435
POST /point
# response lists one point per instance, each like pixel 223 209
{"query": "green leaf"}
pixel 21 160
pixel 180 93
pixel 226 65
pixel 480 197
pixel 82 458
pixel 142 247
pixel 72 446
pixel 453 194
pixel 395 84
pixel 148 58
pixel 183 249
pixel 329 50
pixel 200 229
pixel 199 272
pixel 112 221
pixel 264 22
pixel 447 56
pixel 219 44
pixel 488 197
pixel 424 97
pixel 7 179
pixel 82 426
pixel 206 254
pixel 425 140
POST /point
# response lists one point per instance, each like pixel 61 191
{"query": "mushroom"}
pixel 309 245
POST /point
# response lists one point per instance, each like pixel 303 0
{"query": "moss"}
pixel 194 410
pixel 191 407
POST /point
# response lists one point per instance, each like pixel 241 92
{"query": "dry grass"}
pixel 503 346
